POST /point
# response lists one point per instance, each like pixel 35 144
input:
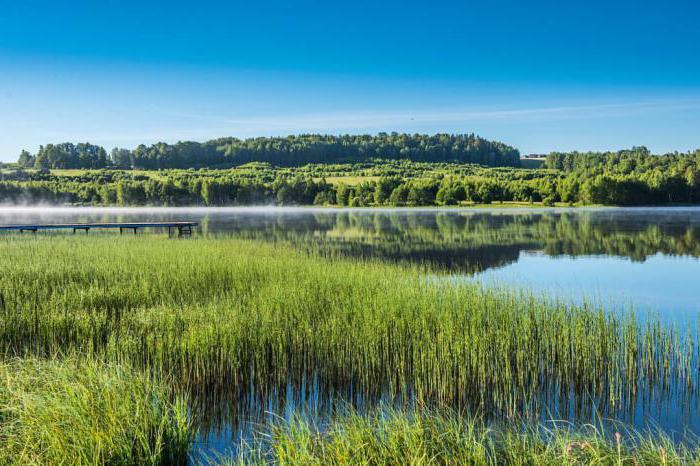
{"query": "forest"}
pixel 627 177
pixel 281 151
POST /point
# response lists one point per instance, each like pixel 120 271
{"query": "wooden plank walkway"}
pixel 183 228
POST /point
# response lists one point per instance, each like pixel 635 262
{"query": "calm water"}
pixel 646 259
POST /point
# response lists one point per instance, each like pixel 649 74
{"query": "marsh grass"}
pixel 443 437
pixel 73 411
pixel 233 320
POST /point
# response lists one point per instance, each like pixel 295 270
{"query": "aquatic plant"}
pixel 428 437
pixel 235 322
pixel 77 411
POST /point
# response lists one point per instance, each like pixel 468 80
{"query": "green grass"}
pixel 81 412
pixel 221 316
pixel 425 437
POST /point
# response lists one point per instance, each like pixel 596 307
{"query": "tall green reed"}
pixel 231 319
pixel 438 437
pixel 77 411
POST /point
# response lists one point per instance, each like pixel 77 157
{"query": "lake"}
pixel 622 259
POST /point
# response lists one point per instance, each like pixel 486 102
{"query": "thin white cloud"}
pixel 305 122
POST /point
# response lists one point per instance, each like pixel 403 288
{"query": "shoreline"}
pixel 504 207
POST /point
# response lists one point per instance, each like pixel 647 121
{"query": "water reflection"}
pixel 455 240
pixel 666 406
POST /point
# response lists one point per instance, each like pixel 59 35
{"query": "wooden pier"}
pixel 182 228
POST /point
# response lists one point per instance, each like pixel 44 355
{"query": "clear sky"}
pixel 539 75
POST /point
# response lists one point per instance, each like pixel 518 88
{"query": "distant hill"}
pixel 280 151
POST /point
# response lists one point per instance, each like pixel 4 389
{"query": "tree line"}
pixel 295 187
pixel 281 151
pixel 630 177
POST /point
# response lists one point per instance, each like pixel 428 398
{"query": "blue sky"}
pixel 540 75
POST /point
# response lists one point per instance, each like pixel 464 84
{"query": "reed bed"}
pixel 73 411
pixel 234 320
pixel 444 438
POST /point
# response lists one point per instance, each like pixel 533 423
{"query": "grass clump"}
pixel 75 411
pixel 391 437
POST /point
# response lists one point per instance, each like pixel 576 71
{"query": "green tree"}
pixel 42 162
pixel 383 189
pixel 399 196
pixel 343 194
pixel 26 160
pixel 121 158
